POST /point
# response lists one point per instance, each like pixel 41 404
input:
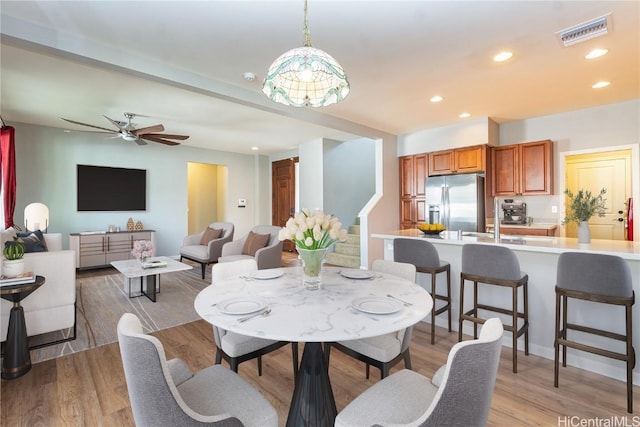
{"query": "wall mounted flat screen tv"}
pixel 102 188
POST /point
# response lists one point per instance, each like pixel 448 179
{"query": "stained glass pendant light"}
pixel 306 76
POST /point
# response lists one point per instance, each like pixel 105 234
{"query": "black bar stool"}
pixel 499 266
pixel 601 279
pixel 425 257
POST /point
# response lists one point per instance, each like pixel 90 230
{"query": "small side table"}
pixel 17 359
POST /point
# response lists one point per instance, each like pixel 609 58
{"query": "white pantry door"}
pixel 592 172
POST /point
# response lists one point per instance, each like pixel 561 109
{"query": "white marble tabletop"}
pixel 326 314
pixel 131 268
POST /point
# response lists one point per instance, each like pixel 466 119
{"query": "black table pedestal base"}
pixel 313 403
pixel 17 360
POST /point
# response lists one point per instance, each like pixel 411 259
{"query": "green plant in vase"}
pixel 581 207
pixel 13 251
pixel 13 264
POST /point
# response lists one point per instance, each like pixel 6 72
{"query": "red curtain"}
pixel 8 168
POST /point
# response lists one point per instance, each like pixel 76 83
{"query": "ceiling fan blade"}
pixel 91 126
pixel 149 129
pixel 167 136
pixel 160 140
pixel 113 122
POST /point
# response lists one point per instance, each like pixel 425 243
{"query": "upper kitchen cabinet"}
pixel 523 169
pixel 459 160
pixel 413 172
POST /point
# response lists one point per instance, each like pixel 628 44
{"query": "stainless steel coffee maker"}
pixel 514 212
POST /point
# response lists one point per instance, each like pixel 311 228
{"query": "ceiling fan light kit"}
pixel 306 76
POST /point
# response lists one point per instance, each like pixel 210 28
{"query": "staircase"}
pixel 347 253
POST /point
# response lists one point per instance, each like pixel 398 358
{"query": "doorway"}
pixel 206 195
pixel 284 194
pixel 611 170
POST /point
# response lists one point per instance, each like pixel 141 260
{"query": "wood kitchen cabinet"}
pixel 523 169
pixel 525 231
pixel 413 172
pixel 459 160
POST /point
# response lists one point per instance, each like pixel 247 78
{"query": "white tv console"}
pixel 99 248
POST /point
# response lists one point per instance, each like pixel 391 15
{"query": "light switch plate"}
pixel 554 209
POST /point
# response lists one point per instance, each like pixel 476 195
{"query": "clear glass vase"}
pixel 312 260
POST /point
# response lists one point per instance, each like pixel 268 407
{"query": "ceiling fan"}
pixel 128 132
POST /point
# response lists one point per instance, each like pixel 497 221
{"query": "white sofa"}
pixel 52 306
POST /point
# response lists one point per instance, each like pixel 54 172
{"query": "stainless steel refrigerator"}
pixel 457 201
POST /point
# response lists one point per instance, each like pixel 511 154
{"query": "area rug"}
pixel 101 301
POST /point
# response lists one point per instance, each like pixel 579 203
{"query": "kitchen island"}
pixel 538 258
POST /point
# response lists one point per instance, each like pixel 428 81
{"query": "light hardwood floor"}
pixel 89 389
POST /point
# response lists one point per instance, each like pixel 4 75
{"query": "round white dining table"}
pixel 350 304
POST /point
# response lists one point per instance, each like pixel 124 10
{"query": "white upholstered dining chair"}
pixel 383 351
pixel 236 348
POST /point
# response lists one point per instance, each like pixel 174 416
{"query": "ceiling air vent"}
pixel 587 30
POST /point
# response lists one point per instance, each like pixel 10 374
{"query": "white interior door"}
pixel 610 170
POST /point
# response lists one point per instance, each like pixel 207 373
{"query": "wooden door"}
pixel 610 170
pixel 283 179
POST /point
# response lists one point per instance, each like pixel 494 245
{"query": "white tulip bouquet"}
pixel 315 230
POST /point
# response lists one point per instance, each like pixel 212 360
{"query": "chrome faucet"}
pixel 496 219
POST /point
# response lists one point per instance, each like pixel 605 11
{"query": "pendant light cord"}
pixel 307 34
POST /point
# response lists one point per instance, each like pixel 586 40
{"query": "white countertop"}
pixel 623 248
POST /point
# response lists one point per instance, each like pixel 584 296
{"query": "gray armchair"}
pixel 193 250
pixel 458 395
pixel 267 256
pixel 167 393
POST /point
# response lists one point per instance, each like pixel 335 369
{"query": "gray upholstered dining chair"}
pixel 166 393
pixel 597 278
pixel 261 243
pixel 236 348
pixel 206 247
pixel 387 350
pixel 458 395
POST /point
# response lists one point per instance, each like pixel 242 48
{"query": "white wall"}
pixel 473 132
pixel 311 155
pixel 349 177
pixel 46 172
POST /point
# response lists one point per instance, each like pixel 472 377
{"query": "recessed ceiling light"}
pixel 436 98
pixel 503 56
pixel 249 76
pixel 255 148
pixel 601 84
pixel 464 115
pixel 596 53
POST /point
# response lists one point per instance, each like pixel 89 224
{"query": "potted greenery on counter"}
pixel 13 264
pixel 581 207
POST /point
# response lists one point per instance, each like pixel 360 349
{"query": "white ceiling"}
pixel 181 63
